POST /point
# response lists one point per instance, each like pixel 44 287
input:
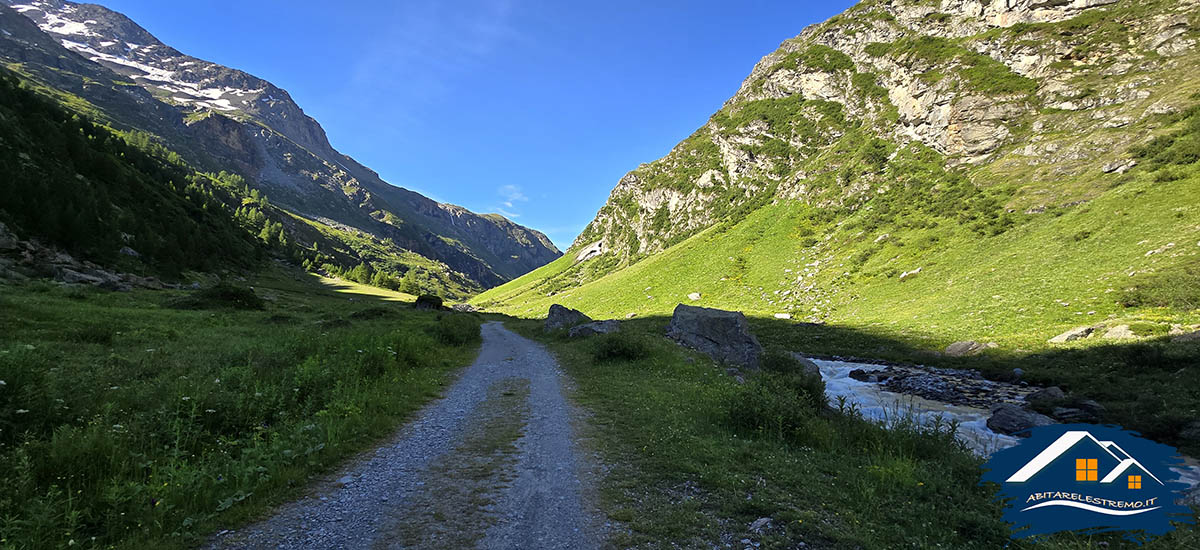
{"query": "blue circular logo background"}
pixel 1084 477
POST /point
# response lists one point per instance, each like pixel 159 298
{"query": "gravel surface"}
pixel 540 506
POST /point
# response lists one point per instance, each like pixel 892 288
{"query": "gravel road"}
pixel 532 499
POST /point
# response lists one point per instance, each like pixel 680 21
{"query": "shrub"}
pixel 777 404
pixel 412 349
pixel 457 330
pixel 619 346
pixel 780 361
pixel 220 296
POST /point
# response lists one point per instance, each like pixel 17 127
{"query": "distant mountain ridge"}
pixel 223 118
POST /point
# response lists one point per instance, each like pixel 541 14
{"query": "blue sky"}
pixel 531 109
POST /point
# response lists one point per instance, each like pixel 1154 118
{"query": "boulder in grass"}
pixel 593 328
pixel 964 348
pixel 561 317
pixel 1077 333
pixel 1119 332
pixel 1011 419
pixel 723 335
pixel 428 301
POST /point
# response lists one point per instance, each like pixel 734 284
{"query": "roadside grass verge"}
pixel 125 423
pixel 695 458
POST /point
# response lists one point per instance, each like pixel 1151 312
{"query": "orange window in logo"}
pixel 1135 482
pixel 1086 469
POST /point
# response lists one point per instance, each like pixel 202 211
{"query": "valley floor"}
pixel 130 420
pixel 492 465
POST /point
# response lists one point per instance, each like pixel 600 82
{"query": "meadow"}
pixel 147 419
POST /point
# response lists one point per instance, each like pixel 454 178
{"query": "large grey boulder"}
pixel 723 335
pixel 1046 395
pixel 593 328
pixel 1010 419
pixel 561 317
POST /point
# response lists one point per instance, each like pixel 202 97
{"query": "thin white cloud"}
pixel 507 214
pixel 511 194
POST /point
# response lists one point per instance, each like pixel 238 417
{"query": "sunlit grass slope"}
pixel 1052 271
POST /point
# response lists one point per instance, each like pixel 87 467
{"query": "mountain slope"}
pixel 85 190
pixel 954 169
pixel 223 119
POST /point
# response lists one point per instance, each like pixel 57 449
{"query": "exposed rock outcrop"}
pixel 1119 332
pixel 1077 333
pixel 21 260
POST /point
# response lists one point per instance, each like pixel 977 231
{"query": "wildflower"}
pixel 210 411
pixel 217 381
pixel 186 398
pixel 22 411
pixel 114 387
pixel 2 383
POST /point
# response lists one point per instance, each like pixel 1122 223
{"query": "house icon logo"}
pixel 1082 477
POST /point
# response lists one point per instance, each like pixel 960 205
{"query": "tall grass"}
pixel 128 425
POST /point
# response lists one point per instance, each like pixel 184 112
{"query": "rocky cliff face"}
pixel 226 119
pixel 987 87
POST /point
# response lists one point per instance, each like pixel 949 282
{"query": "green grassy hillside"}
pixel 1019 280
pixel 1128 256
